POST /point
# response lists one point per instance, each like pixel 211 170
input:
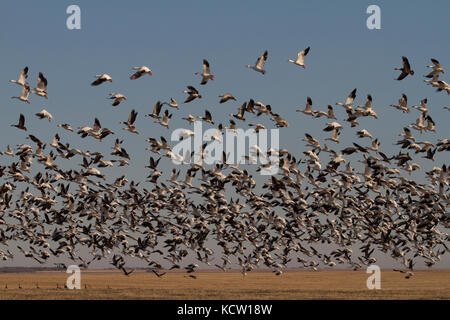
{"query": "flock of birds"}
pixel 220 216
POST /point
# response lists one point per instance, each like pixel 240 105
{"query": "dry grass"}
pixel 230 285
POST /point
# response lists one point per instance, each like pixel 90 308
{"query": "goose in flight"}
pixel 207 117
pixel 193 94
pixel 21 124
pixel 308 108
pixel 402 104
pixel 300 61
pixel 333 126
pixel 240 114
pixel 364 133
pixel 443 86
pixel 406 69
pixel 368 108
pixel 173 104
pixel 41 88
pixel 66 126
pixel 206 74
pixel 102 78
pixel 423 106
pixel 165 119
pixel 25 94
pixel 329 114
pixel 334 135
pixel 130 122
pixel 225 97
pixel 436 69
pixel 349 101
pixel 117 97
pixel 257 126
pixel 44 114
pixel 156 111
pixel 22 77
pixel 190 118
pixel 140 71
pixel 259 65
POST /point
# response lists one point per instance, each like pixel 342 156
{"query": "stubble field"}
pixel 292 285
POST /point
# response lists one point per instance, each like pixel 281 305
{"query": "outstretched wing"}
pixel 406 64
pixel 42 82
pixel 206 67
pixel 262 60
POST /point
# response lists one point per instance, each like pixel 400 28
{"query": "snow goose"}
pixel 334 136
pixel 423 106
pixel 442 86
pixel 25 94
pixel 140 71
pixel 257 126
pixel 368 108
pixel 402 104
pixel 130 122
pixel 207 117
pixel 117 97
pixel 22 77
pixel 308 108
pixel 329 114
pixel 66 126
pixel 364 133
pixel 206 74
pixel 259 65
pixel 41 87
pixel 102 78
pixel 436 69
pixel 190 118
pixel 300 61
pixel 156 111
pixel 349 101
pixel 193 94
pixel 332 126
pixel 240 114
pixel 173 104
pixel 44 114
pixel 165 119
pixel 225 97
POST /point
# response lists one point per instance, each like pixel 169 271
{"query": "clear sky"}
pixel 172 38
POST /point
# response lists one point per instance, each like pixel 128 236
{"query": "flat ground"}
pixel 229 285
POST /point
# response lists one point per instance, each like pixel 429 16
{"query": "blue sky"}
pixel 172 38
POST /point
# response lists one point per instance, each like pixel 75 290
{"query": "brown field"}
pixel 293 285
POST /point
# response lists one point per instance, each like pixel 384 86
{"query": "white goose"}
pixel 44 114
pixel 402 104
pixel 140 72
pixel 102 78
pixel 349 101
pixel 22 77
pixel 300 61
pixel 308 108
pixel 173 104
pixel 206 74
pixel 259 65
pixel 25 94
pixel 329 114
pixel 117 97
pixel 41 88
